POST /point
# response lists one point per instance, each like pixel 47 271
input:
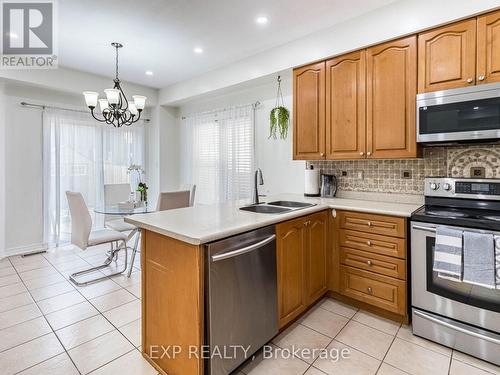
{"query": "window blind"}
pixel 221 148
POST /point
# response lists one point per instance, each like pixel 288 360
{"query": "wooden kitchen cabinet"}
pixel 370 258
pixel 316 256
pixel 391 99
pixel 309 112
pixel 370 105
pixel 345 106
pixel 488 48
pixel 290 240
pixel 301 255
pixel 447 57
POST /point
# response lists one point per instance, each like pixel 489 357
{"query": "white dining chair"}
pixel 83 237
pixel 192 192
pixel 173 199
pixel 114 194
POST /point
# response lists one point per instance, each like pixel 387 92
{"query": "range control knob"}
pixel 447 187
pixel 434 186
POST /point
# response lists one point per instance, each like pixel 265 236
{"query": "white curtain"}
pixel 220 158
pixel 81 154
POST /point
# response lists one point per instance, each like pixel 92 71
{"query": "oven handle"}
pixel 420 227
pixel 456 328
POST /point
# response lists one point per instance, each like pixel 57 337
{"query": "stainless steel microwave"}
pixel 465 114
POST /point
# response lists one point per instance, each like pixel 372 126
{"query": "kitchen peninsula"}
pixel 174 256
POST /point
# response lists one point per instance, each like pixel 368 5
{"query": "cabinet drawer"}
pixel 370 223
pixel 383 245
pixel 372 262
pixel 380 291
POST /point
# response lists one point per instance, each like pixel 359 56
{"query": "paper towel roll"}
pixel 311 183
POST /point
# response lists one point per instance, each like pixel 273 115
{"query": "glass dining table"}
pixel 120 211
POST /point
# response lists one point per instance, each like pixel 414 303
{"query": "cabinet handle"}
pixel 481 78
pixel 361 153
pixel 469 80
pixel 369 243
pixel 368 153
pixel 370 290
pixel 369 262
pixel 322 154
pixel 369 223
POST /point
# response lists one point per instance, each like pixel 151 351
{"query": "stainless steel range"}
pixel 455 313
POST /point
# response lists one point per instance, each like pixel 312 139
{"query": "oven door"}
pixel 459 114
pixel 464 302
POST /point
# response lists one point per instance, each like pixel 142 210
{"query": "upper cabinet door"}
pixel 447 57
pixel 391 99
pixel 345 106
pixel 309 112
pixel 488 48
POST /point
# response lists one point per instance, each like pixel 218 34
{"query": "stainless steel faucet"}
pixel 260 179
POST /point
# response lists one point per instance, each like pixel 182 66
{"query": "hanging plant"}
pixel 279 118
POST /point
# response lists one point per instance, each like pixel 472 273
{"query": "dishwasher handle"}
pixel 243 250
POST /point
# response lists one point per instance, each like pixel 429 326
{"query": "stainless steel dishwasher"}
pixel 241 296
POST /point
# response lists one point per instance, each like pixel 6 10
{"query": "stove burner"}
pixel 450 214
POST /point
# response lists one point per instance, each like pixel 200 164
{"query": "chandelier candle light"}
pixel 116 110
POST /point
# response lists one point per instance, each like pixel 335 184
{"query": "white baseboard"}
pixel 20 250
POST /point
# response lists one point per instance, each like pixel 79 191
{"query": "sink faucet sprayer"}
pixel 260 179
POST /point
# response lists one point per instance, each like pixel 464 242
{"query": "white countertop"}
pixel 206 223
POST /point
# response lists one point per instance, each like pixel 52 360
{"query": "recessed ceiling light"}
pixel 261 20
pixel 198 50
pixel 149 73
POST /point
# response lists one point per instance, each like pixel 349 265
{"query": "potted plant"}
pixel 142 187
pixel 279 118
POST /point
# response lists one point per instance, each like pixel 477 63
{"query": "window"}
pixel 81 154
pixel 220 159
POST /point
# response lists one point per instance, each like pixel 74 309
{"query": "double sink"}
pixel 276 207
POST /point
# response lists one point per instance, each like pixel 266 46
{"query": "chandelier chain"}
pixel 117 62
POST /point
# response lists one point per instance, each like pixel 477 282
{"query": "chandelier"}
pixel 115 109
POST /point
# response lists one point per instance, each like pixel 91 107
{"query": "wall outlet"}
pixel 478 172
pixel 406 174
pixel 360 175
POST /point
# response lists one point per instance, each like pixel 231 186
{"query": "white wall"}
pixel 74 82
pixel 2 170
pixel 397 19
pixel 274 157
pixel 163 152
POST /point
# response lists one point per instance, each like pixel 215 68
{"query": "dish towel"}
pixel 479 259
pixel 497 260
pixel 448 253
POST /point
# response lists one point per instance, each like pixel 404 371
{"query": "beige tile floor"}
pixel 48 326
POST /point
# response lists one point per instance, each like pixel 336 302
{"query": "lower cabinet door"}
pixel 290 242
pixel 377 290
pixel 316 259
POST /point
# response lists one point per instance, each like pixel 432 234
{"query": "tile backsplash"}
pixel 406 176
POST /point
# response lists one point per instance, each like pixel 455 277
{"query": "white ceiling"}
pixel 159 35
